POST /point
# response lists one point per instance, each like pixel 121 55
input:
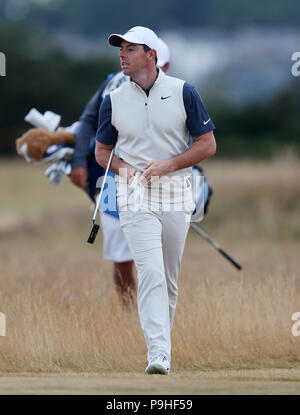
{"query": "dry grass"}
pixel 58 296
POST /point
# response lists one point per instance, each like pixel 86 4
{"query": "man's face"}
pixel 133 58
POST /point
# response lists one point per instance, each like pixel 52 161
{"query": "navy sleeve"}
pixel 198 121
pixel 87 129
pixel 106 133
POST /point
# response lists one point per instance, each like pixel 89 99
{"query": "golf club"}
pixel 95 227
pixel 216 246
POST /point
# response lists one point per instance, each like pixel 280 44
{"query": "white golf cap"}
pixel 138 34
pixel 163 53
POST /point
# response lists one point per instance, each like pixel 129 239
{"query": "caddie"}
pixel 85 172
pixel 150 117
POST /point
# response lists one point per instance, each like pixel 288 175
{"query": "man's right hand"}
pixel 79 176
pixel 128 172
pixel 131 173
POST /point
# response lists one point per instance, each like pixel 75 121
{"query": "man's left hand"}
pixel 155 169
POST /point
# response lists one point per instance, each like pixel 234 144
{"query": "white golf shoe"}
pixel 158 364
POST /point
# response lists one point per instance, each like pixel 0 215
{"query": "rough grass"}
pixel 62 311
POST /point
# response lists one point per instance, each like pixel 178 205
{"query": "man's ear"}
pixel 166 67
pixel 152 54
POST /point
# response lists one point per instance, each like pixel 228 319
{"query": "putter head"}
pixel 93 233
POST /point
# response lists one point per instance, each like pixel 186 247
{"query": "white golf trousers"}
pixel 156 241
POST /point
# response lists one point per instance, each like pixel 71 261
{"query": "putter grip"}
pixel 93 234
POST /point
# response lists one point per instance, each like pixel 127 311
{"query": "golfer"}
pixel 150 118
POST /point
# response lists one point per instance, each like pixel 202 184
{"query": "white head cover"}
pixel 163 53
pixel 138 34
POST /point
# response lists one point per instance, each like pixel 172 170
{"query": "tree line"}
pixel 40 75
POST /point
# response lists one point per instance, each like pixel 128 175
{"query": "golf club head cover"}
pixel 35 142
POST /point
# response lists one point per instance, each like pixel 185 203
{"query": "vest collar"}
pixel 160 77
pixel 158 80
